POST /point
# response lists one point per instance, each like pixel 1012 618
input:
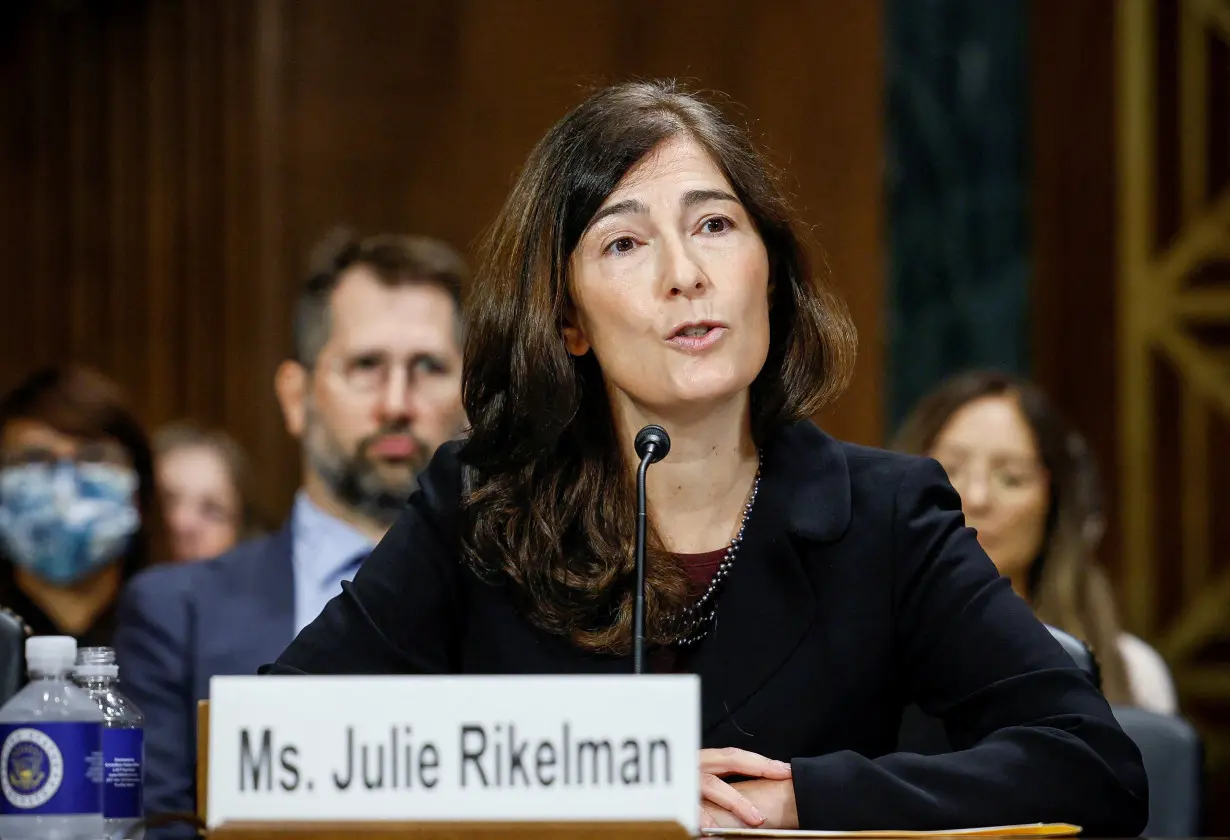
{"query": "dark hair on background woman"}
pixel 551 501
pixel 1067 587
pixel 83 403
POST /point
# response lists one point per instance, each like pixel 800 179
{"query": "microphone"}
pixel 652 444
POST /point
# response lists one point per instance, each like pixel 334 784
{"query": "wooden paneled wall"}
pixel 140 211
pixel 1072 77
pixel 166 163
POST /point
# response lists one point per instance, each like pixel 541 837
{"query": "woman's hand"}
pixel 772 798
pixel 721 804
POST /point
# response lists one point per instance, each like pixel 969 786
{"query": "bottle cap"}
pixel 96 662
pixel 50 654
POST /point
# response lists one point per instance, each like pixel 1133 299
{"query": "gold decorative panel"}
pixel 1173 301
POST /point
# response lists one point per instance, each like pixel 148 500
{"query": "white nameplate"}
pixel 511 748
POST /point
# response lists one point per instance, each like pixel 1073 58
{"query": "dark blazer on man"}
pixel 858 590
pixel 180 624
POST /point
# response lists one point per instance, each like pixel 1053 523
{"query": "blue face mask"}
pixel 63 521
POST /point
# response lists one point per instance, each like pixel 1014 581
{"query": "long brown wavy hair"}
pixel 1067 587
pixel 550 505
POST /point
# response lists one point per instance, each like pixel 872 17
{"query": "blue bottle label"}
pixel 51 768
pixel 123 757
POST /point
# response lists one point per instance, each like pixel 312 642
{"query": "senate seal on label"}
pixel 33 768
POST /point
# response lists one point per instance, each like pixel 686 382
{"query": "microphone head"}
pixel 653 439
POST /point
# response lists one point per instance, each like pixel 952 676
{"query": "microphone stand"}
pixel 652 445
pixel 638 608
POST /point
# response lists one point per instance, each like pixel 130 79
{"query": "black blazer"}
pixel 858 590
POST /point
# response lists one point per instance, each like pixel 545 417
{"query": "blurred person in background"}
pixel 206 486
pixel 1029 487
pixel 78 506
pixel 373 389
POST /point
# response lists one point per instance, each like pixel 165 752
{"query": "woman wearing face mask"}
pixel 78 511
pixel 645 269
pixel 1029 487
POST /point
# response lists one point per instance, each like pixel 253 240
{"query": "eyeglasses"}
pixel 209 509
pixel 998 479
pixel 370 373
pixel 90 452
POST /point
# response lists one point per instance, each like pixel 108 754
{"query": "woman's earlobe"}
pixel 574 341
pixel 574 336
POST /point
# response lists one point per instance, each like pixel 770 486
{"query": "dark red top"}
pixel 700 568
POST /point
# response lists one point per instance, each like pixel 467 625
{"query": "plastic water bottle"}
pixel 51 751
pixel 123 743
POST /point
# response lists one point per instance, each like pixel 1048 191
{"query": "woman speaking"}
pixel 645 269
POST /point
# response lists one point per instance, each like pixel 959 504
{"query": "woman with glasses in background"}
pixel 1029 487
pixel 78 509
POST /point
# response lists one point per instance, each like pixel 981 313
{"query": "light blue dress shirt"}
pixel 327 551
